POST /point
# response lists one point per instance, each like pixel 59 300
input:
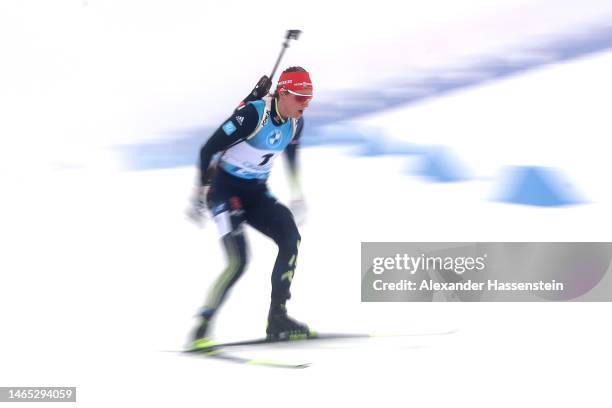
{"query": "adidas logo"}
pixel 239 119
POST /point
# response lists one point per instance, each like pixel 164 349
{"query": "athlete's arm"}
pixel 292 159
pixel 235 129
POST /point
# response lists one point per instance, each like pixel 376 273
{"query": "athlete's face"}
pixel 293 106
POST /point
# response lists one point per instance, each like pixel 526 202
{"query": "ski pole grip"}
pixel 293 34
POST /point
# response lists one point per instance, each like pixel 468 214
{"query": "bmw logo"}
pixel 274 138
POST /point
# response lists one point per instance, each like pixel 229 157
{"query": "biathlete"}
pixel 235 164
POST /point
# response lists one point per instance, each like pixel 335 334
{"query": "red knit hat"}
pixel 296 83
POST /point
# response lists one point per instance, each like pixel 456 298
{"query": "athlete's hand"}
pixel 198 211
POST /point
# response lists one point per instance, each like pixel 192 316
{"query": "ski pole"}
pixel 291 35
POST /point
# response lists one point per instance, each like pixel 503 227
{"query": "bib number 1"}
pixel 266 158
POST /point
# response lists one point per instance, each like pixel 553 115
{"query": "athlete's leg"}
pixel 229 216
pixel 274 220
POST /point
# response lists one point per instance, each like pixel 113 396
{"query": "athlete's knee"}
pixel 297 238
pixel 240 264
pixel 235 248
pixel 290 241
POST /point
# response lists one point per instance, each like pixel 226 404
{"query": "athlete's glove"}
pixel 298 209
pixel 198 211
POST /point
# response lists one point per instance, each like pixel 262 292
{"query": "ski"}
pixel 216 350
pixel 313 337
pixel 222 355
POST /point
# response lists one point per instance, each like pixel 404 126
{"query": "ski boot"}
pixel 201 340
pixel 283 327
